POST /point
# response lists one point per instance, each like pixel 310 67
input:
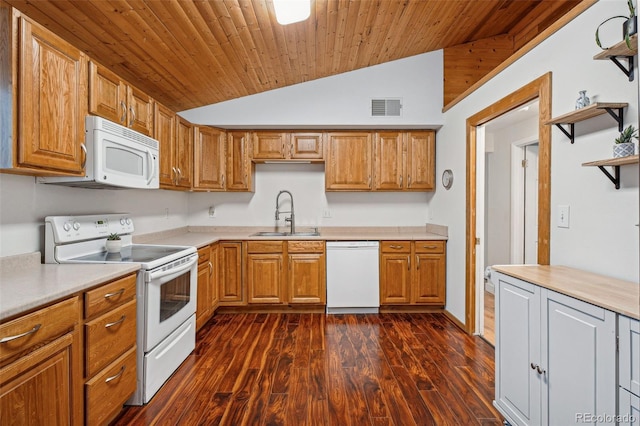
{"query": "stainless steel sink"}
pixel 286 234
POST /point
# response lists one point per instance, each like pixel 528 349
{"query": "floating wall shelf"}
pixel 615 110
pixel 615 163
pixel 621 50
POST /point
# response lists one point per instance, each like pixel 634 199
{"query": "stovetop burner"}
pixel 138 253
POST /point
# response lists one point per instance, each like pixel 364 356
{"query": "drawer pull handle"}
pixel 111 324
pixel 396 247
pixel 17 336
pixel 108 379
pixel 115 293
pixel 430 247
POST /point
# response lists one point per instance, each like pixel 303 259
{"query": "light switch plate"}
pixel 563 216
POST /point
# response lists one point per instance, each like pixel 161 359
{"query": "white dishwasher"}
pixel 353 283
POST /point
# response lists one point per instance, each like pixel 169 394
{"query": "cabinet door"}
pixel 629 371
pixel 269 145
pixel 389 162
pixel 579 359
pixel 628 408
pixel 36 389
pixel 52 101
pixel 231 274
pixel 429 279
pixel 518 385
pixel 349 161
pixel 306 278
pixel 140 111
pixel 215 276
pixel 264 278
pixel 184 152
pixel 238 164
pixel 204 289
pixel 209 159
pixel 308 146
pixel 165 132
pixel 420 161
pixel 395 278
pixel 107 94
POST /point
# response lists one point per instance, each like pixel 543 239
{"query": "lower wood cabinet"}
pixel 555 356
pixel 230 274
pixel 207 284
pixel 285 272
pixel 39 367
pixel 413 273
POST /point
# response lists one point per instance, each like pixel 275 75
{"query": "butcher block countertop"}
pixel 25 283
pixel 609 293
pixel 200 236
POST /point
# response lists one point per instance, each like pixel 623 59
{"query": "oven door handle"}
pixel 173 271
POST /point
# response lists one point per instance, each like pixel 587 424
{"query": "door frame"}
pixel 539 88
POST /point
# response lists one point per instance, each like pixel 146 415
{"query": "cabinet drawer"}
pixel 108 336
pixel 265 246
pixel 108 296
pixel 109 390
pixel 429 246
pixel 306 246
pixel 37 327
pixel 395 246
pixel 204 254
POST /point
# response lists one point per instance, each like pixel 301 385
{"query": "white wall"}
pixel 341 101
pixel 603 237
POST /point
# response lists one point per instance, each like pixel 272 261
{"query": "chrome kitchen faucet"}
pixel 291 219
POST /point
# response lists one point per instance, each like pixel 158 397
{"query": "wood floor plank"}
pixel 316 369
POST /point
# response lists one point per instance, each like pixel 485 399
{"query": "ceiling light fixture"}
pixel 290 11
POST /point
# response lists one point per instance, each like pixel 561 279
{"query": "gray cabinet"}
pixel 629 371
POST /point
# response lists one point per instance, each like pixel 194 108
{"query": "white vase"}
pixel 623 149
pixel 113 246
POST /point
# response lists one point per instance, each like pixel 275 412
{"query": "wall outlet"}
pixel 326 213
pixel 212 212
pixel 563 216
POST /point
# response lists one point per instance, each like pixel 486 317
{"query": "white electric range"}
pixel 166 289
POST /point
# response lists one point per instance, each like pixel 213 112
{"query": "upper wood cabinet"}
pixel 272 145
pixel 209 166
pixel 43 116
pixel 349 161
pixel 183 153
pixel 164 130
pixel 239 172
pixel 112 98
pixel 405 161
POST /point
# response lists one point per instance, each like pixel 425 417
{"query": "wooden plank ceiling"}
pixel 190 53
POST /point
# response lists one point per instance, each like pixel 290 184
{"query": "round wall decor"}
pixel 447 178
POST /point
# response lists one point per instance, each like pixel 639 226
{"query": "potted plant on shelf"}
pixel 629 27
pixel 624 145
pixel 113 243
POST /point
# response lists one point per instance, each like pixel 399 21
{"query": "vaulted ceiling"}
pixel 190 53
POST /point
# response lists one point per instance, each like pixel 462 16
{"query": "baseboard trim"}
pixel 455 320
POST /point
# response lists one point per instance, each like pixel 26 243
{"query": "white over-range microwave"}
pixel 116 157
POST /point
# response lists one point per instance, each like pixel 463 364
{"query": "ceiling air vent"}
pixel 385 107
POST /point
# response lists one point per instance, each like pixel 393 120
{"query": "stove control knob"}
pixel 76 225
pixel 122 221
pixel 128 221
pixel 66 226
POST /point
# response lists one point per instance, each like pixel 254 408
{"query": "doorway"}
pixel 539 89
pixel 507 182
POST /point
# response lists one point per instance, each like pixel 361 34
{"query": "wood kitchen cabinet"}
pixel 555 355
pixel 46 80
pixel 413 273
pixel 265 272
pixel 240 169
pixel 184 154
pixel 230 274
pixel 306 279
pixel 272 145
pixel 110 348
pixel 209 165
pixel 175 136
pixel 40 366
pixel 404 161
pixel 349 161
pixel 207 283
pixel 114 99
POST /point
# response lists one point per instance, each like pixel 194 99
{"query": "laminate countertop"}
pixel 609 293
pixel 25 283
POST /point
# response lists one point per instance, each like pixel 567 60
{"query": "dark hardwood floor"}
pixel 313 369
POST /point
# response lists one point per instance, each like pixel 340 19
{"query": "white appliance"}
pixel 353 283
pixel 116 157
pixel 166 289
